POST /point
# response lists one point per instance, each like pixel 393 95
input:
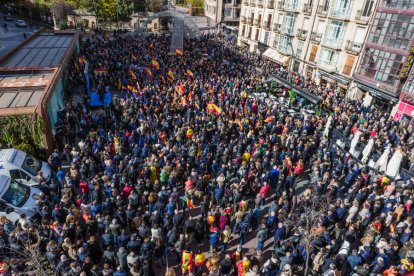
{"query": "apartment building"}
pixel 318 38
pixel 223 12
pixel 382 76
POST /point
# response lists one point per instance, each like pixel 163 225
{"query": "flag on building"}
pixel 132 74
pixel 178 52
pixel 155 64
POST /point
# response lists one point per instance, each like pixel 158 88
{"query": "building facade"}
pixel 321 39
pixel 387 57
pixel 223 12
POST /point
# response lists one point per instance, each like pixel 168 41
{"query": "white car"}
pixel 20 23
pixel 17 197
pixel 21 166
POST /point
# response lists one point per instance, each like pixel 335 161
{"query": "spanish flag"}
pixel 190 203
pixel 155 64
pixel 178 52
pixel 181 88
pixel 170 75
pixel 163 80
pixel 189 133
pixel 189 73
pixel 82 60
pixel 132 88
pixel 100 71
pixel 213 108
pixel 190 96
pixel 269 119
pixel 132 74
pixel 183 101
pixel 211 219
pixel 148 72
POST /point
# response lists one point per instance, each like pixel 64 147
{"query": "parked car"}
pixel 17 197
pixel 19 165
pixel 20 23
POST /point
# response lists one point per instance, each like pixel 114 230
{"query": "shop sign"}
pixel 407 98
pixel 407 64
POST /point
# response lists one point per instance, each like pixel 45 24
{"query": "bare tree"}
pixel 306 218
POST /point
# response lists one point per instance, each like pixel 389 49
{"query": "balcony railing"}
pixel 250 21
pixel 301 34
pixel 246 2
pixel 260 3
pixel 316 37
pixel 280 5
pixel 359 18
pixel 253 3
pixel 270 4
pixel 340 13
pixel 256 22
pixel 266 26
pixel 291 6
pixel 353 47
pixel 276 27
pixel 332 42
pixel 242 19
pixel 397 4
pixel 320 10
pixel 298 54
pixel 307 9
pixel 328 65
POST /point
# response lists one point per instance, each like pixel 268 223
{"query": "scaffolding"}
pixel 182 26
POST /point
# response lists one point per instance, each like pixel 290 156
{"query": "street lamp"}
pixel 291 55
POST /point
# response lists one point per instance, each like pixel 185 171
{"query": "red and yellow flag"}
pixel 189 73
pixel 181 88
pixel 155 64
pixel 132 88
pixel 148 72
pixel 190 96
pixel 132 74
pixel 212 108
pixel 190 203
pixel 269 119
pixel 170 75
pixel 163 80
pixel 179 52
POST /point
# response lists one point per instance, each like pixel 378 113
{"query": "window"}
pixel 16 194
pixel 19 175
pixel 341 8
pixel 266 37
pixel 348 65
pixel 392 30
pixel 367 9
pixel 250 32
pixel 281 43
pixel 381 66
pixel 243 30
pixel 256 38
pixel 299 49
pixel 327 58
pixel 334 33
pixel 288 23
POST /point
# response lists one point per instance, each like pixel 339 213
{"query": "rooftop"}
pixel 44 51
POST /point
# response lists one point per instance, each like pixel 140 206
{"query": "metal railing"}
pixel 359 18
pixel 340 13
pixel 301 34
pixel 271 4
pixel 280 5
pixel 250 21
pixel 307 9
pixel 276 27
pixel 316 37
pixel 256 22
pixel 266 25
pixel 291 5
pixel 320 10
pixel 259 3
pixel 332 42
pixel 328 65
pixel 242 19
pixel 353 47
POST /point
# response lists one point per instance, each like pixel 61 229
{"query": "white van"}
pixel 17 197
pixel 23 167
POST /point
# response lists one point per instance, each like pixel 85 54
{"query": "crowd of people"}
pixel 187 173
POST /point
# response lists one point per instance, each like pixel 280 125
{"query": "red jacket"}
pixel 84 186
pixel 264 191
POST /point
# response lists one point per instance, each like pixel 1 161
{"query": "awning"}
pixel 334 77
pixel 275 56
pixel 376 92
pixel 303 92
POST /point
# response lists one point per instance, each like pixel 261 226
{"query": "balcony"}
pixel 353 47
pixel 301 34
pixel 246 2
pixel 256 22
pixel 280 5
pixel 250 21
pixel 332 42
pixel 260 3
pixel 307 9
pixel 397 4
pixel 340 13
pixel 253 3
pixel 291 6
pixel 270 4
pixel 328 65
pixel 243 19
pixel 277 27
pixel 266 26
pixel 316 37
pixel 361 19
pixel 320 10
pixel 298 54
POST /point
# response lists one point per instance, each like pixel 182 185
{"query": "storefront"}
pixel 376 96
pixel 405 113
pixel 275 56
pixel 334 81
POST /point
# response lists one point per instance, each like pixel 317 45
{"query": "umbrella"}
pixel 367 150
pixel 394 165
pixel 382 162
pixel 328 125
pixel 354 143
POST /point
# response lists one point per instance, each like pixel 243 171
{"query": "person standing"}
pixel 199 261
pixel 187 262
